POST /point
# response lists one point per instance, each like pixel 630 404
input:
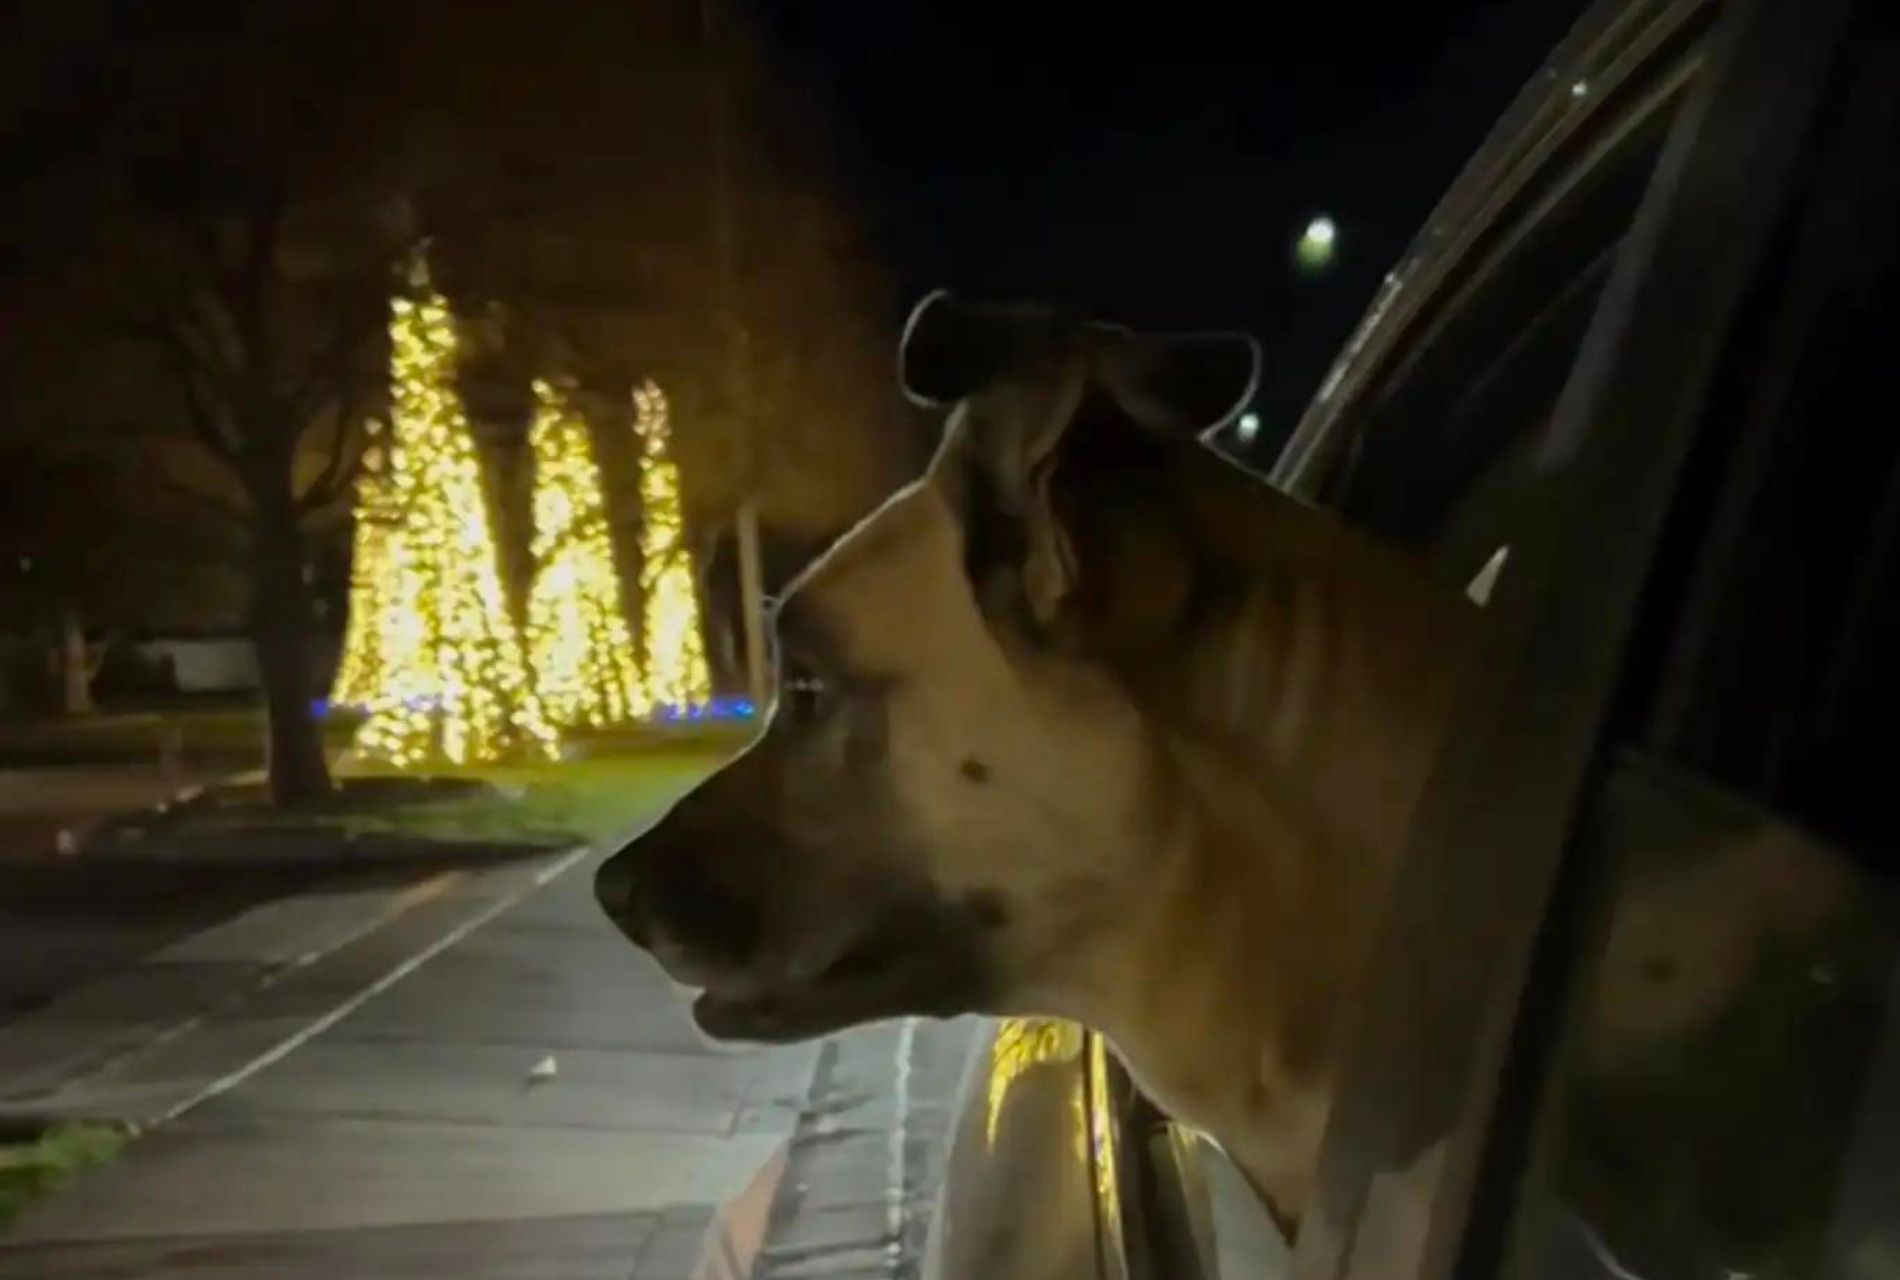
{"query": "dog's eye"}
pixel 805 695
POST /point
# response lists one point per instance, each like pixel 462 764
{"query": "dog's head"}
pixel 948 797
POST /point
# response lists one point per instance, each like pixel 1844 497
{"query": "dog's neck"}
pixel 1219 978
pixel 1243 620
pixel 1295 679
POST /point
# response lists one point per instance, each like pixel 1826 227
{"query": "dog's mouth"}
pixel 892 970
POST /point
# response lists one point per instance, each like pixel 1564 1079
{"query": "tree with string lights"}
pixel 579 645
pixel 450 680
pixel 673 654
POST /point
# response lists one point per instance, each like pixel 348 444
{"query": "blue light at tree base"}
pixel 716 709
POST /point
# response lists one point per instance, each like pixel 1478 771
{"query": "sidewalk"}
pixel 412 1136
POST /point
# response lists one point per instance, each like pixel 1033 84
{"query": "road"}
pixel 519 1095
pixel 61 923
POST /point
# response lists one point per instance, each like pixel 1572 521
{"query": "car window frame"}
pixel 1516 772
pixel 1610 44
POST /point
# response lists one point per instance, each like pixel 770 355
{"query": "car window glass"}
pixel 1446 434
pixel 1439 441
pixel 1725 1099
pixel 1716 1063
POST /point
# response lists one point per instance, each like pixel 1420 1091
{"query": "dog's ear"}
pixel 951 348
pixel 1180 384
pixel 1080 421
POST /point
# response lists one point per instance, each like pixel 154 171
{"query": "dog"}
pixel 1087 721
pixel 1091 722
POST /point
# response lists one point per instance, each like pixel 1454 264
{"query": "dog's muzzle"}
pixel 776 961
pixel 615 888
pixel 685 902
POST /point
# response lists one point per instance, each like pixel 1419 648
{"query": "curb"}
pixel 868 1154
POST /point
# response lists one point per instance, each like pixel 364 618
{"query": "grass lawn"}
pixel 589 799
pixel 609 785
pixel 33 1168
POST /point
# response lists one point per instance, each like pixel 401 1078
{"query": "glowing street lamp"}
pixel 1314 250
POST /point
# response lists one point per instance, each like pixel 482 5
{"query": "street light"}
pixel 1314 250
pixel 1248 427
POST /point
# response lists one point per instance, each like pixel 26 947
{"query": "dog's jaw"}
pixel 926 958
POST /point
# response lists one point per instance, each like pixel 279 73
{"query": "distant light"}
pixel 1579 88
pixel 1316 244
pixel 1248 427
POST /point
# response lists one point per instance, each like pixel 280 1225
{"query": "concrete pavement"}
pixel 158 1035
pixel 414 1137
pixel 64 922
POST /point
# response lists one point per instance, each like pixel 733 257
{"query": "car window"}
pixel 1716 1066
pixel 1441 443
pixel 1518 211
pixel 1726 1077
pixel 1589 498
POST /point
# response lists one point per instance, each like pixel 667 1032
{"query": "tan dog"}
pixel 1085 722
pixel 1090 722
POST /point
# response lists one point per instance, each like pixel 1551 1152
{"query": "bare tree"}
pixel 271 347
pixel 234 218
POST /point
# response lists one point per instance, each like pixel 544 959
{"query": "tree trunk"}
pixel 280 630
pixel 75 673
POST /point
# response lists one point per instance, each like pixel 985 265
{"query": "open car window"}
pixel 1719 1095
pixel 1584 481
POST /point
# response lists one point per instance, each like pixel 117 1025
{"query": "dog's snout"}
pixel 687 895
pixel 699 902
pixel 616 890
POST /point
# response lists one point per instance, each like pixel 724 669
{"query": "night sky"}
pixel 1156 165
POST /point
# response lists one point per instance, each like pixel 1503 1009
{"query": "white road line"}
pixel 396 904
pixel 896 1206
pixel 313 1029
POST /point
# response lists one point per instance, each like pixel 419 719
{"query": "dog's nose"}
pixel 615 890
pixel 698 900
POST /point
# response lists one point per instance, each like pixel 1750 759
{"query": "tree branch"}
pixel 330 368
pixel 207 424
pixel 339 470
pixel 216 504
pixel 248 292
pixel 331 364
